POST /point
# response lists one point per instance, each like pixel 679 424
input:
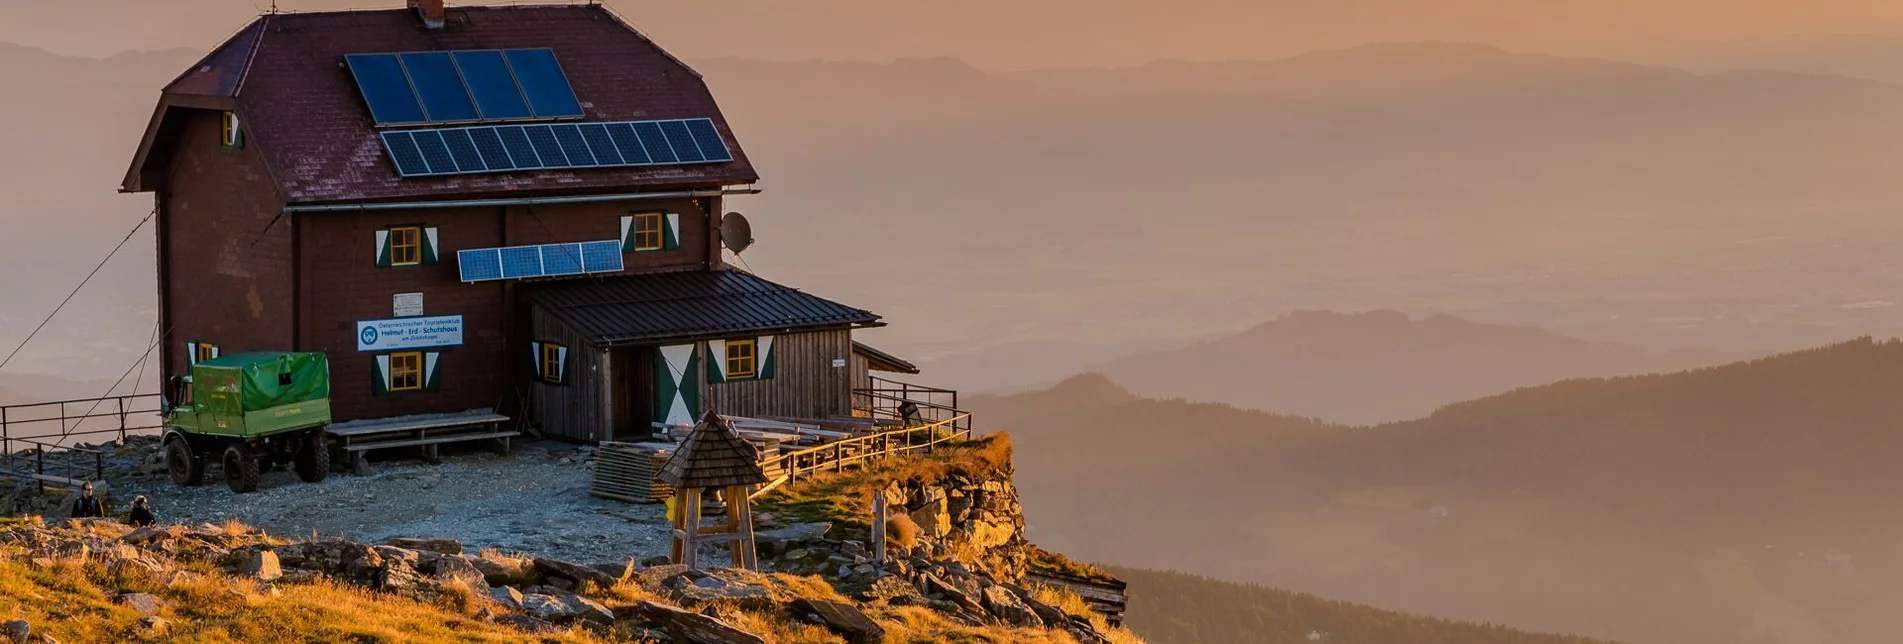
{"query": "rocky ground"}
pixel 533 501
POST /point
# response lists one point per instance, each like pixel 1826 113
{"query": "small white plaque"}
pixel 839 362
pixel 405 305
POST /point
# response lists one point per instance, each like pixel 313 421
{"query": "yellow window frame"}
pixel 742 359
pixel 647 231
pixel 552 362
pixel 228 137
pixel 406 246
pixel 406 371
pixel 205 352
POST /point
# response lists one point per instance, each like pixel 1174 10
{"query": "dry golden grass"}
pixel 73 600
pixel 902 530
pixel 1042 559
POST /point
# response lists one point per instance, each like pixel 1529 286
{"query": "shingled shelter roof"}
pixel 284 75
pixel 713 456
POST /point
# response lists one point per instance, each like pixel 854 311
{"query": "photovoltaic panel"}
pixel 386 89
pixel 682 141
pixel 543 82
pixel 435 152
pixel 600 143
pixel 489 145
pixel 463 150
pixel 546 146
pixel 520 150
pixel 601 256
pixel 490 83
pixel 712 147
pixel 521 261
pixel 409 161
pixel 546 260
pixel 654 142
pixel 479 265
pixel 561 259
pixel 502 148
pixel 445 98
pixel 569 135
pixel 628 144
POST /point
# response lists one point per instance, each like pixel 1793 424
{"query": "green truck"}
pixel 251 411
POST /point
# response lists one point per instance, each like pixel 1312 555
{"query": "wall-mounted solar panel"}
pixel 505 148
pixel 465 86
pixel 545 260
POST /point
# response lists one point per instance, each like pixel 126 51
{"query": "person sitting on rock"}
pixel 142 513
pixel 87 505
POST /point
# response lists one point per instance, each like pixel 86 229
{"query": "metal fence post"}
pixel 39 467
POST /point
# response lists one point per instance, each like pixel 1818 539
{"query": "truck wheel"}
pixel 241 469
pixel 313 457
pixel 186 468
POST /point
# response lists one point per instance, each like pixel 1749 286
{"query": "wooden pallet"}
pixel 625 472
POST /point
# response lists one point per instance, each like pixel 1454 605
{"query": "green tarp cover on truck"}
pixel 241 382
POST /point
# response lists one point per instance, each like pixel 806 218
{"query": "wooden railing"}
pixel 835 456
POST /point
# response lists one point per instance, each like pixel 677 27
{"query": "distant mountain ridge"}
pixel 1749 503
pixel 1379 366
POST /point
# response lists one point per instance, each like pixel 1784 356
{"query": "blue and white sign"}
pixel 410 333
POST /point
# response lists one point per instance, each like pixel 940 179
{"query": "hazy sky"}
pixel 1016 34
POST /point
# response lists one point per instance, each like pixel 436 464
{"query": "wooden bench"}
pixel 426 431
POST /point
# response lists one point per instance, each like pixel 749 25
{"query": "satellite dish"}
pixel 735 232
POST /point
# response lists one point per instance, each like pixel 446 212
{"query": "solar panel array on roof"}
pixel 466 86
pixel 546 260
pixel 504 148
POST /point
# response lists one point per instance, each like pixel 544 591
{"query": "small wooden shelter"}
pixel 714 457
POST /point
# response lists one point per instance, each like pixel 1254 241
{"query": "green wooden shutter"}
pixel 432 377
pixel 677 384
pixel 380 375
pixel 716 361
pixel 763 361
pixel 671 231
pixel 383 248
pixel 429 245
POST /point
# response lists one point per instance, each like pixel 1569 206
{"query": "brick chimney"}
pixel 431 11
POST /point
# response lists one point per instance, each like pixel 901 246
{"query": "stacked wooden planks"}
pixel 625 472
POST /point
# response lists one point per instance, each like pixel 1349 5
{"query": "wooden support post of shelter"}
pixel 713 457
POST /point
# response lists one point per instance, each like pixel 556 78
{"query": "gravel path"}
pixel 531 502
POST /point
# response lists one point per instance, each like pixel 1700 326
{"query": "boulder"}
pixel 933 585
pixel 459 571
pixel 438 546
pixel 498 572
pixel 742 588
pixel 565 608
pixel 797 532
pixel 144 536
pixel 259 563
pixel 1006 605
pixel 986 534
pixel 843 619
pixel 507 596
pixel 153 626
pixel 17 630
pixel 1052 615
pixel 145 603
pixel 932 518
pixel 619 572
pixel 573 572
pixel 694 628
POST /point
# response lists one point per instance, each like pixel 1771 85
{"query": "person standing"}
pixel 142 513
pixel 87 505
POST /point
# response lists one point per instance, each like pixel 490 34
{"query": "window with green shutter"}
pixel 650 231
pixel 406 246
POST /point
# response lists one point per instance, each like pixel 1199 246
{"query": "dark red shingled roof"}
pixel 301 108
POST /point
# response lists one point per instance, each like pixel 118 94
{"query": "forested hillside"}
pixel 1176 608
pixel 1752 502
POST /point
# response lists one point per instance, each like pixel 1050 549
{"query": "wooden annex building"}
pixel 511 209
